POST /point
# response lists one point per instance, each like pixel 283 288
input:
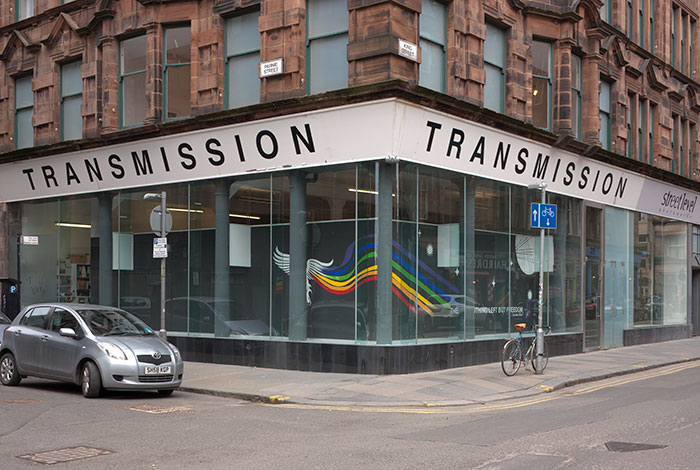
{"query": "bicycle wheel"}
pixel 545 357
pixel 511 358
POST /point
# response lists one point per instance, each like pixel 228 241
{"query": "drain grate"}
pixel 20 401
pixel 614 446
pixel 159 409
pixel 64 455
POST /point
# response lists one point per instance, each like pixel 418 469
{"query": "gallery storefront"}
pixel 379 237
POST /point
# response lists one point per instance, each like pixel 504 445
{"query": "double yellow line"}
pixel 441 409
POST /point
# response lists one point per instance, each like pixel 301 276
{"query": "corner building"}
pixel 348 179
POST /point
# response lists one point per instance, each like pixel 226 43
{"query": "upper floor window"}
pixel 651 26
pixel 640 22
pixel 326 45
pixel 242 59
pixel 71 101
pixel 604 113
pixel 682 36
pixel 576 95
pixel 691 149
pixel 605 11
pixel 651 131
pixel 433 31
pixel 176 72
pixel 24 9
pixel 24 110
pixel 541 84
pixel 132 81
pixel 641 122
pixel 494 68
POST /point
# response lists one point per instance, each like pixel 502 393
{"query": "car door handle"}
pixel 18 333
pixel 44 338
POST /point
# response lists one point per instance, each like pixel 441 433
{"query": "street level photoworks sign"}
pixel 384 129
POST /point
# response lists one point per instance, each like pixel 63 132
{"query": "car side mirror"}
pixel 68 332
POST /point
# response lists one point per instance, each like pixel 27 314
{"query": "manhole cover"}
pixel 64 455
pixel 614 446
pixel 20 401
pixel 159 409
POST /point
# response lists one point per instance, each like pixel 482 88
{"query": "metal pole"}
pixel 163 208
pixel 19 278
pixel 540 302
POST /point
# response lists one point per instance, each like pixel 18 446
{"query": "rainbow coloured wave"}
pixel 422 287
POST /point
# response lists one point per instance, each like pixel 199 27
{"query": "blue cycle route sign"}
pixel 543 215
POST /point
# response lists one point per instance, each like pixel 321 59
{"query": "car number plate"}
pixel 153 370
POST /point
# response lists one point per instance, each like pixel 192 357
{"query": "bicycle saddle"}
pixel 520 326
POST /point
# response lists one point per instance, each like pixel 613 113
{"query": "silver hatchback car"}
pixel 93 346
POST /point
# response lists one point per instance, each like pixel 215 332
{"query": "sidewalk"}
pixel 462 386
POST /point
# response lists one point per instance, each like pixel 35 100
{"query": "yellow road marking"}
pixel 437 408
pixel 278 399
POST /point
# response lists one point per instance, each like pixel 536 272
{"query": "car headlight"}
pixel 176 352
pixel 112 350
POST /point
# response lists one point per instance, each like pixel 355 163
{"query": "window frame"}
pixel 443 85
pixel 651 26
pixel 501 69
pixel 309 41
pixel 62 123
pixel 17 109
pixel 31 5
pixel 652 114
pixel 167 67
pixel 550 107
pixel 228 57
pixel 577 94
pixel 608 144
pixel 129 74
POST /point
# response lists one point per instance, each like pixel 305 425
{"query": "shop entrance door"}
pixel 592 276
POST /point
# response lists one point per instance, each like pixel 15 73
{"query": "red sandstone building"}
pixel 347 179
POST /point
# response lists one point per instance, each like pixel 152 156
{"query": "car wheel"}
pixel 8 370
pixel 165 393
pixel 90 381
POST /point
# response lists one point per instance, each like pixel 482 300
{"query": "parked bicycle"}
pixel 515 354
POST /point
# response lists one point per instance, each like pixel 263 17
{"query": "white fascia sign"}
pixel 408 50
pixel 390 130
pixel 270 68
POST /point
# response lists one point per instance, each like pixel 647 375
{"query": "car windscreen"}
pixel 108 322
pixel 4 319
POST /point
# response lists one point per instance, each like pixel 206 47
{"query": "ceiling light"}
pixel 241 216
pixel 68 224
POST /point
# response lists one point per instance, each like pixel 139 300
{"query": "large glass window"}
pixel 660 270
pixel 326 45
pixel 494 67
pixel 541 84
pixel 465 262
pixel 176 72
pixel 71 101
pixel 132 81
pixel 242 59
pixel 24 110
pixel 433 38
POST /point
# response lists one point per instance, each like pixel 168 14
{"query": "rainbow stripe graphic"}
pixel 412 288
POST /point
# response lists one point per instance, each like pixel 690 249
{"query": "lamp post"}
pixel 540 301
pixel 163 232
